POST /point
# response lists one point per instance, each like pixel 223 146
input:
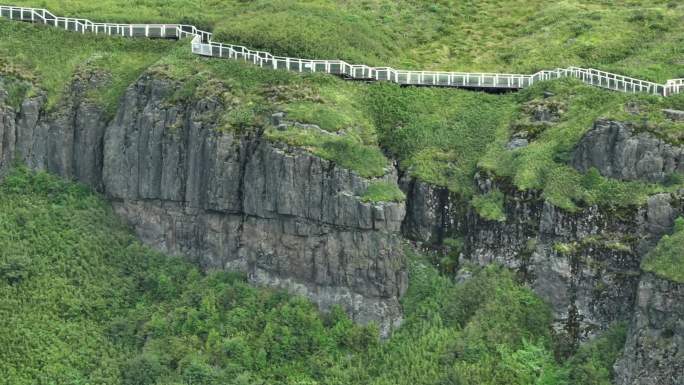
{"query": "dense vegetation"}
pixel 82 302
pixel 50 59
pixel 667 259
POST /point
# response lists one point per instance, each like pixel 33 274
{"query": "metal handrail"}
pixel 203 45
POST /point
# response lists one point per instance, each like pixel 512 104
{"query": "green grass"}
pixel 441 136
pixel 666 260
pixel 543 164
pixel 367 161
pixel 490 206
pixel 383 192
pixel 637 37
pixel 438 135
pixel 81 301
pixel 50 59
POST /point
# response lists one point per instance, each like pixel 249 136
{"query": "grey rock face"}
pixel 616 151
pixel 286 218
pixel 7 138
pixel 517 143
pixel 676 115
pixel 68 142
pixel 654 351
pixel 585 264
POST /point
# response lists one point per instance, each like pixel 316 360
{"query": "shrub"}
pixel 383 192
pixel 490 206
pixel 667 258
pixel 144 369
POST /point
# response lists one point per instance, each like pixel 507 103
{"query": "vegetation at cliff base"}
pixel 666 260
pixel 81 301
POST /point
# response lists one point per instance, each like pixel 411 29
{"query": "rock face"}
pixel 286 218
pixel 292 220
pixel 617 151
pixel 585 264
pixel 654 351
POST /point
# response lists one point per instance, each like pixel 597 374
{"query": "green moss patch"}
pixel 383 192
pixel 667 259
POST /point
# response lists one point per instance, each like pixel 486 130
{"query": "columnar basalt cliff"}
pixel 584 264
pixel 291 220
pixel 286 218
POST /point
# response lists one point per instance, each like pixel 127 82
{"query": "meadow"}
pixel 636 37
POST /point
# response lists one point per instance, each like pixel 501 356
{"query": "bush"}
pixel 667 259
pixel 144 369
pixel 383 192
pixel 14 269
pixel 490 206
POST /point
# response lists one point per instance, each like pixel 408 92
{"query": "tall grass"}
pixel 637 37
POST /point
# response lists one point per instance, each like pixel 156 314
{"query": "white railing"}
pixel 202 44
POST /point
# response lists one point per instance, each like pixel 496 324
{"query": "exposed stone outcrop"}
pixel 286 218
pixel 617 151
pixel 584 264
pixel 675 115
pixel 654 351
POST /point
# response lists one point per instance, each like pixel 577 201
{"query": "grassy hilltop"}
pixel 636 37
pixel 440 135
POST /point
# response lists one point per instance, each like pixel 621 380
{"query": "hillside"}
pixel 207 221
pixel 439 135
pixel 84 302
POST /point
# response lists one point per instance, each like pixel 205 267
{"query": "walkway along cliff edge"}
pixel 203 45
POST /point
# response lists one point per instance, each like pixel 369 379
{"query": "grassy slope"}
pixel 82 302
pixel 49 58
pixel 440 135
pixel 637 37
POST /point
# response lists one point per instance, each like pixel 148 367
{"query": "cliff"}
pixel 653 352
pixel 617 150
pixel 586 264
pixel 226 200
pixel 231 200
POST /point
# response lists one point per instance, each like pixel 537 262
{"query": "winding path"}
pixel 202 44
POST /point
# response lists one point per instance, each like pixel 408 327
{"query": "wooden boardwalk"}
pixel 202 44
